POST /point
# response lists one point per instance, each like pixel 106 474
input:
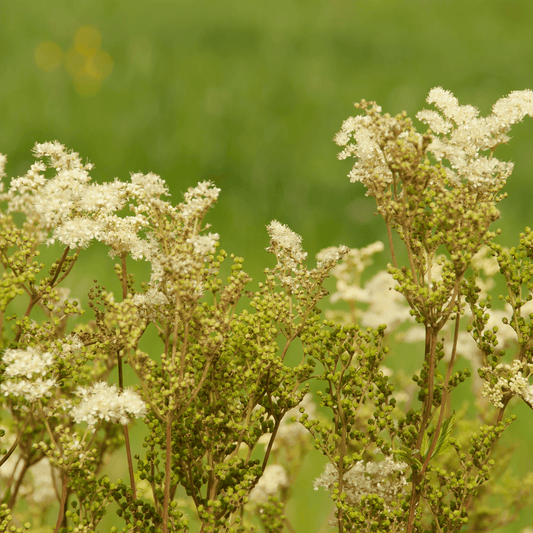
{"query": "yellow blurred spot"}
pixel 87 40
pixel 48 56
pixel 86 62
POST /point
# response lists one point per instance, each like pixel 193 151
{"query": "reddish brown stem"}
pixel 63 502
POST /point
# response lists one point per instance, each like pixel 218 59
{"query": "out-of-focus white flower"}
pixel 42 474
pixel 348 272
pixel 527 395
pixel 386 305
pixel 3 161
pixel 385 478
pixel 274 477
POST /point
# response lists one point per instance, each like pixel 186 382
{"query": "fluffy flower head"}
pixel 26 362
pixel 106 402
pixel 286 244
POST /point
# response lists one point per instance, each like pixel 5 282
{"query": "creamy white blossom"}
pixel 198 200
pixel 331 256
pixel 204 244
pixel 469 134
pixel 460 136
pixel 527 395
pixel 25 371
pixel 506 379
pixel 148 186
pixel 102 401
pixel 121 234
pixel 78 231
pixel 286 245
pixel 71 343
pixel 26 362
pixel 31 391
pixel 151 304
pixel 152 297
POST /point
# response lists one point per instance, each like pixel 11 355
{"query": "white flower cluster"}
pixel 102 401
pixel 386 479
pixel 274 477
pixel 198 199
pixel 65 206
pixel 25 371
pixel 70 344
pixel 371 165
pixel 459 137
pixel 26 362
pixel 31 391
pixel 510 379
pixel 469 134
pixel 286 245
pixel 185 252
pixel 151 304
pixel 77 211
pixel 204 244
pixel 331 256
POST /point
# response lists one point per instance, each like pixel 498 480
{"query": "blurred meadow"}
pixel 249 94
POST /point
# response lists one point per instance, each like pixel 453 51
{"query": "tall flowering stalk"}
pixel 438 191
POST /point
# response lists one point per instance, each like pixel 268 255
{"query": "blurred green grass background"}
pixel 249 94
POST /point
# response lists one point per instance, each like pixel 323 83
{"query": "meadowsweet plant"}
pixel 438 192
pixel 223 400
pixel 216 389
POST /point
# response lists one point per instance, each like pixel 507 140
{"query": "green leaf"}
pixel 424 447
pixel 406 454
pixel 443 444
